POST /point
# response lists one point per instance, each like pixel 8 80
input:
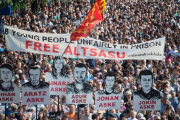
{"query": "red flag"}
pixel 94 16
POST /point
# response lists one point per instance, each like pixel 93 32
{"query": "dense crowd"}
pixel 125 22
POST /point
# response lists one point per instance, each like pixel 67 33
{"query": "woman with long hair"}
pixel 58 68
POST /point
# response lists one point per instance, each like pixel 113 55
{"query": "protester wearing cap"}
pixel 111 116
pixel 142 118
pixel 100 114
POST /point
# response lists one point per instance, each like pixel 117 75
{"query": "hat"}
pixel 178 79
pixel 168 105
pixel 137 66
pixel 125 78
pixel 111 115
pixel 127 70
pixel 16 76
pixel 99 111
pixel 32 108
pixel 142 118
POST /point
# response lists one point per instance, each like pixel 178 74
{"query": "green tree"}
pixel 22 4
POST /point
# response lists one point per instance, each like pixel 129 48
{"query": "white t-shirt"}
pixel 132 119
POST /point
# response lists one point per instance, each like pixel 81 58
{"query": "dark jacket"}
pixel 71 88
pixel 104 92
pixel 152 95
pixel 41 85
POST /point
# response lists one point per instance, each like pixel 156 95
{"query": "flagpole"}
pixel 66 48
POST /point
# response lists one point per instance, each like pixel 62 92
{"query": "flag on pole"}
pixel 94 16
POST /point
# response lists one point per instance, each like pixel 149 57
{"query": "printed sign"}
pixel 79 92
pixel 147 98
pixel 89 48
pixel 108 98
pixel 107 102
pixel 35 91
pixel 58 78
pixel 9 91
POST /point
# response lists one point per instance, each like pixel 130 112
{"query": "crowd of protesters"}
pixel 125 22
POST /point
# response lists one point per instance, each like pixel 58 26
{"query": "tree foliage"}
pixel 19 4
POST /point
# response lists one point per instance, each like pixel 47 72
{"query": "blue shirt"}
pixel 174 102
pixel 89 77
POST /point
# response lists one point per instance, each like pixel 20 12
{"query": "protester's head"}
pixel 94 117
pixel 41 115
pixel 24 116
pixel 10 116
pixel 139 115
pixel 146 78
pixel 54 108
pixel 111 116
pixel 91 108
pixel 65 117
pixel 87 110
pixel 110 79
pixel 178 110
pixel 34 75
pixel 72 108
pixel 100 114
pixel 6 72
pixel 80 72
pixel 14 108
pixel 157 118
pixel 20 110
pixel 133 114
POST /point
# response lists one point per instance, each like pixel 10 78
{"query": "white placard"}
pixel 57 87
pixel 35 91
pixel 146 98
pixel 89 48
pixel 9 91
pixel 140 104
pixel 58 78
pixel 35 96
pixel 10 96
pixel 79 98
pixel 79 92
pixel 107 102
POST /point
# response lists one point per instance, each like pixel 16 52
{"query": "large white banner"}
pixel 55 44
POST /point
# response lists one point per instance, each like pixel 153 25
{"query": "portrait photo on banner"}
pixel 9 91
pixel 58 77
pixel 147 98
pixel 35 91
pixel 109 97
pixel 79 92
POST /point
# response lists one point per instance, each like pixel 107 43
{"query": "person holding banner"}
pixel 79 86
pixel 109 81
pixel 146 92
